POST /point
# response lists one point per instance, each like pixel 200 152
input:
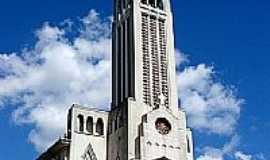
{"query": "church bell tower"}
pixel 146 122
pixel 143 53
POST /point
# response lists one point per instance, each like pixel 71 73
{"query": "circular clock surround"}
pixel 163 126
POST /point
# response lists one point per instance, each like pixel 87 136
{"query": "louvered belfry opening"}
pixel 146 60
pixel 154 61
pixel 154 3
pixel 155 68
pixel 163 60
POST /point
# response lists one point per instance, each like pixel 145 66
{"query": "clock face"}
pixel 163 126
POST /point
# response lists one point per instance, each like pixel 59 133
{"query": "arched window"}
pixel 152 3
pixel 80 123
pixel 89 125
pixel 160 4
pixel 100 127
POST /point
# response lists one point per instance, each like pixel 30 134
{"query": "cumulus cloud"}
pixel 211 153
pixel 241 156
pixel 211 106
pixel 45 81
pixel 228 151
pixel 260 156
pixel 180 58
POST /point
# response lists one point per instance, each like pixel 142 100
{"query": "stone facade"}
pixel 145 121
pixel 85 138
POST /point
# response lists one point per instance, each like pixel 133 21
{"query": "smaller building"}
pixel 58 151
pixel 86 135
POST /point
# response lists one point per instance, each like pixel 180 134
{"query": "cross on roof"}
pixel 162 99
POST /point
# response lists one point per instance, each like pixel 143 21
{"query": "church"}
pixel 145 121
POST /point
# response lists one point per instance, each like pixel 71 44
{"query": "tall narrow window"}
pixel 188 145
pixel 116 124
pixel 100 127
pixel 80 123
pixel 89 125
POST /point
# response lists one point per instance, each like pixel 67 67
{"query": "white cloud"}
pixel 210 153
pixel 260 156
pixel 94 27
pixel 241 156
pixel 180 57
pixel 211 106
pixel 229 150
pixel 47 80
pixel 49 33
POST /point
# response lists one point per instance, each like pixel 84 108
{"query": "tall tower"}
pixel 143 53
pixel 145 122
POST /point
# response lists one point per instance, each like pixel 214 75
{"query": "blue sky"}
pixel 230 36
